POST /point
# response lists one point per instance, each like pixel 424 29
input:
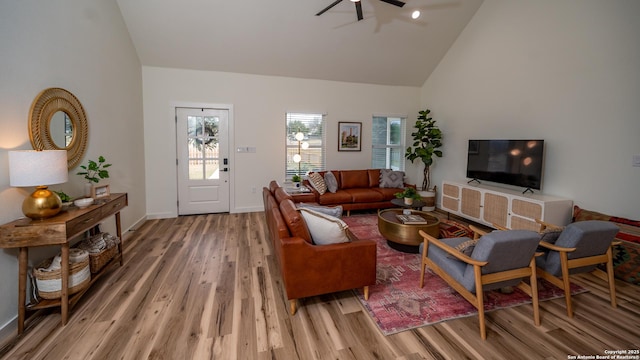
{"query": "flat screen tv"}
pixel 511 162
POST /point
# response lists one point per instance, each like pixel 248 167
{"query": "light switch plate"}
pixel 636 160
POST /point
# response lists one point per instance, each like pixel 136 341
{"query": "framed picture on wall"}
pixel 349 136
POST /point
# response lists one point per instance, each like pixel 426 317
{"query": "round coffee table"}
pixel 405 237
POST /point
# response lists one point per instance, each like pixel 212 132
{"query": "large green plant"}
pixel 426 140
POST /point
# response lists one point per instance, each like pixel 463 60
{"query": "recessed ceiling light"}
pixel 415 14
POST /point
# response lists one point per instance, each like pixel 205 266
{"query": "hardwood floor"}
pixel 208 287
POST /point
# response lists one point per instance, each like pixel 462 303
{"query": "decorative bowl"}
pixel 83 203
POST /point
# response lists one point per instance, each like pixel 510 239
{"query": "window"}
pixel 387 136
pixel 310 149
pixel 204 152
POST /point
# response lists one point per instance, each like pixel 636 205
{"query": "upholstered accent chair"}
pixel 579 248
pixel 499 259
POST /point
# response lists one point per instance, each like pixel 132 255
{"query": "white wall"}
pixel 259 106
pixel 565 71
pixel 84 47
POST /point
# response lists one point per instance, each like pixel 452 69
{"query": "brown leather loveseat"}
pixel 308 269
pixel 359 189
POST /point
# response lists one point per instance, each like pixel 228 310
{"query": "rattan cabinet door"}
pixel 450 197
pixel 525 213
pixel 495 208
pixel 470 202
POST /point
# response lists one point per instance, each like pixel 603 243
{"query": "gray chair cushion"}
pixel 503 250
pixel 590 238
pixel 453 267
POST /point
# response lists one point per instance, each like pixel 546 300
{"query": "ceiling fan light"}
pixel 415 14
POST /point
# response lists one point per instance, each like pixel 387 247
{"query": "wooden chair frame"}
pixel 566 265
pixel 477 299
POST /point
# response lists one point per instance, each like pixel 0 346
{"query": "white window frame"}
pixel 314 157
pixel 388 146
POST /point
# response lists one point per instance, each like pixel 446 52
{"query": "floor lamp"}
pixel 297 158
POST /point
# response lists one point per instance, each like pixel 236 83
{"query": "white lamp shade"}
pixel 297 158
pixel 299 136
pixel 36 168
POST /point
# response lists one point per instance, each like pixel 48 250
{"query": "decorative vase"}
pixel 87 189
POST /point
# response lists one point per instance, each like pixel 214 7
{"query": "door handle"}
pixel 225 169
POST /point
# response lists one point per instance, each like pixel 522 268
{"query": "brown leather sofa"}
pixel 357 190
pixel 308 269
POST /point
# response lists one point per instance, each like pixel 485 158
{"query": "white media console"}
pixel 509 208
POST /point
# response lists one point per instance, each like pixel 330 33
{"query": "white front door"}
pixel 203 153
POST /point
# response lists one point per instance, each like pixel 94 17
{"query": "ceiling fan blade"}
pixel 359 10
pixel 329 7
pixel 394 2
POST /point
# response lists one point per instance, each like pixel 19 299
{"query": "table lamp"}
pixel 39 169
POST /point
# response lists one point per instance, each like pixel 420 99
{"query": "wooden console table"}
pixel 58 231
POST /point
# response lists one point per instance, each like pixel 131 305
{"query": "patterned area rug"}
pixel 397 303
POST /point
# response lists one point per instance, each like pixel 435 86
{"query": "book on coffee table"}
pixel 412 219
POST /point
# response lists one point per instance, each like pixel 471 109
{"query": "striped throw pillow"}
pixel 317 181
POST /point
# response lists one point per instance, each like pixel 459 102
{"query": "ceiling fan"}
pixel 359 6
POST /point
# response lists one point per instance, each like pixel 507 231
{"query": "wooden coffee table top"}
pixel 407 234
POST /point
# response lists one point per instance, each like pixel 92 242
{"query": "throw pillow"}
pixel 317 182
pixel 325 229
pixel 391 179
pixel 465 247
pixel 550 235
pixel 331 182
pixel 335 211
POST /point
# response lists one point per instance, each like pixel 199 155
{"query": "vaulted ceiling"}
pixel 285 38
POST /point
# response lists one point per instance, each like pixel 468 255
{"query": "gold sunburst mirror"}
pixel 57 121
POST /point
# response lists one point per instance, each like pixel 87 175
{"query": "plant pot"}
pixel 429 198
pixel 87 189
pixel 408 201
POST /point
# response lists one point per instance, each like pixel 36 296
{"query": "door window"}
pixel 202 142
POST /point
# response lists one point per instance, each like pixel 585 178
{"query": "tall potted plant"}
pixel 427 139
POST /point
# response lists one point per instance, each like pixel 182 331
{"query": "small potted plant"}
pixel 295 179
pixel 93 173
pixel 409 195
pixel 66 199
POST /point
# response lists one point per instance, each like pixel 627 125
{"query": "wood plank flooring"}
pixel 208 287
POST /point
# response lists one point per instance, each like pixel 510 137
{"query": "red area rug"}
pixel 397 303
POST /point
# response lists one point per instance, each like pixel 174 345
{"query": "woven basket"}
pixel 99 260
pixel 102 248
pixel 49 283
